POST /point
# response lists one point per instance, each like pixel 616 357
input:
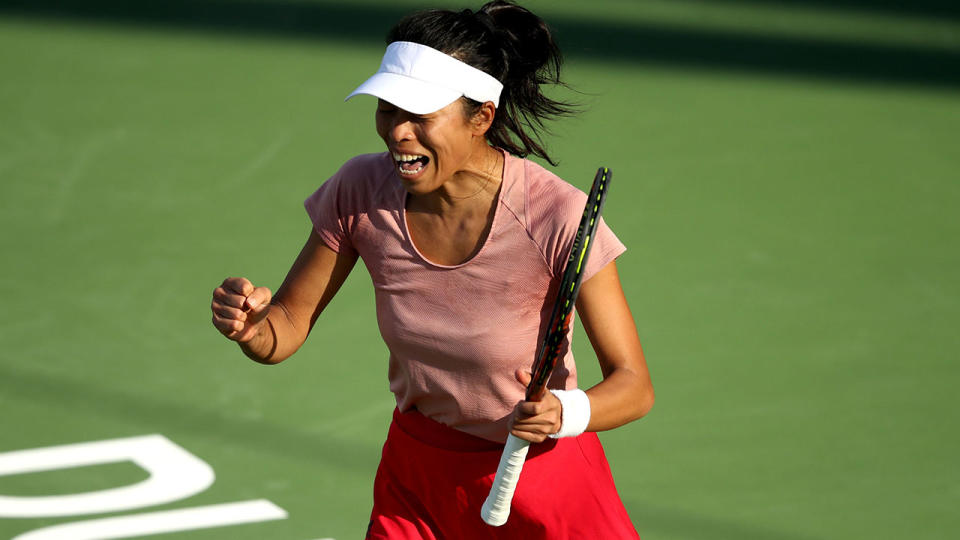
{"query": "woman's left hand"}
pixel 534 421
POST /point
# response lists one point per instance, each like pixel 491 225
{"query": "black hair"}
pixel 513 45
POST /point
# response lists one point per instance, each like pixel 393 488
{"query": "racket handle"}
pixel 496 509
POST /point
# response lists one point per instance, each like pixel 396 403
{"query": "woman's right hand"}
pixel 239 308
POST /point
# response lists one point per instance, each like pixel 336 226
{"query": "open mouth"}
pixel 410 164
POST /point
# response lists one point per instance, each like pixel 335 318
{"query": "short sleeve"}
pixel 557 211
pixel 606 248
pixel 330 212
pixel 554 209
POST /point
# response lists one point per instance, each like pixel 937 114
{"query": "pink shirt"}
pixel 457 334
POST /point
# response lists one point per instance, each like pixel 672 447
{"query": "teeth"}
pixel 415 171
pixel 405 157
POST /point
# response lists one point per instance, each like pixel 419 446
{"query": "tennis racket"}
pixel 496 509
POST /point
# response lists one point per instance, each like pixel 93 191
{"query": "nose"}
pixel 400 129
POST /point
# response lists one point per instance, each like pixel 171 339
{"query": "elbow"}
pixel 645 403
pixel 643 398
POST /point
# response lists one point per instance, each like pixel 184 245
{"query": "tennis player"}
pixel 465 242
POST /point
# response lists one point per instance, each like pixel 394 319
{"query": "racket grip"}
pixel 496 509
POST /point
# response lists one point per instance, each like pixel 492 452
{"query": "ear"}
pixel 483 118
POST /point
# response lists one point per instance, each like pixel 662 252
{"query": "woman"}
pixel 465 243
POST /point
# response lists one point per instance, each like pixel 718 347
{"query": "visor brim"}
pixel 407 93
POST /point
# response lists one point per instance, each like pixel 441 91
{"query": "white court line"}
pixel 174 474
pixel 187 519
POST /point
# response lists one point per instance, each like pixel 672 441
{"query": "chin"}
pixel 417 184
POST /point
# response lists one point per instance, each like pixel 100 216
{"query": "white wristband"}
pixel 576 412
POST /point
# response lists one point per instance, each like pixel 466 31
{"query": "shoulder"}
pixel 368 162
pixel 365 171
pixel 548 207
pixel 361 185
pixel 552 202
pixel 361 179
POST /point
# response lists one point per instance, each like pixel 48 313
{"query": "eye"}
pixel 384 107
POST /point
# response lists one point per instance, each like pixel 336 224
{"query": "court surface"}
pixel 787 176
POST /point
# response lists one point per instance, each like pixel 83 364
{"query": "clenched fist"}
pixel 239 308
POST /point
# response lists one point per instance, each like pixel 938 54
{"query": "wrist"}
pixel 262 346
pixel 575 412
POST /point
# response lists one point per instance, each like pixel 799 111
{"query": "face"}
pixel 429 149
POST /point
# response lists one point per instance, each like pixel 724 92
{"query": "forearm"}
pixel 314 279
pixel 276 339
pixel 626 392
pixel 622 397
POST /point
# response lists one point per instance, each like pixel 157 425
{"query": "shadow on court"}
pixel 169 418
pixel 580 38
pixel 949 9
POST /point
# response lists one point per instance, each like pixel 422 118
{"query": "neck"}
pixel 470 189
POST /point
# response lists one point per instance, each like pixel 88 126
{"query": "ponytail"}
pixel 513 45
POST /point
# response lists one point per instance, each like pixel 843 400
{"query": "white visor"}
pixel 422 80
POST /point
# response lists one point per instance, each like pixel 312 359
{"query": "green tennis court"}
pixel 787 178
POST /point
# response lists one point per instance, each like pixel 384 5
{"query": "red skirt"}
pixel 433 479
